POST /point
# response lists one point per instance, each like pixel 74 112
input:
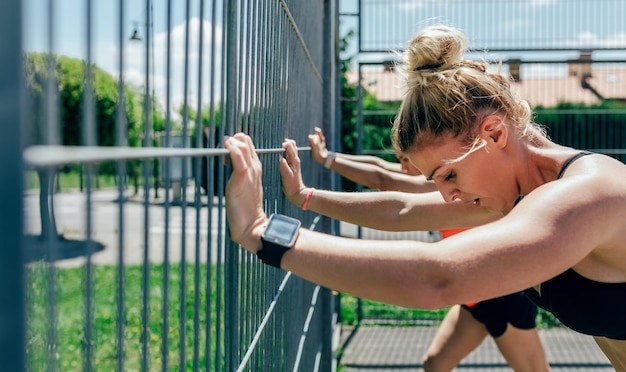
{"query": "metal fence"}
pixel 142 275
pixel 566 58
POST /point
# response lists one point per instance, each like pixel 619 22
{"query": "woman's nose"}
pixel 449 192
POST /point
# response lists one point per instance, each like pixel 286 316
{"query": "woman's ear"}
pixel 493 130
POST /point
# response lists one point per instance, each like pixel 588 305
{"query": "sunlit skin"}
pixel 371 171
pixel 406 165
pixel 468 180
pixel 576 222
pixel 514 169
pixel 461 175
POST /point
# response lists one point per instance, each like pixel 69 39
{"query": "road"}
pixel 71 218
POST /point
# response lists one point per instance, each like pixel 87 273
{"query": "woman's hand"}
pixel 291 174
pixel 319 152
pixel 244 193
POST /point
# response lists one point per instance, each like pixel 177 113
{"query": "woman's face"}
pixel 481 177
pixel 407 166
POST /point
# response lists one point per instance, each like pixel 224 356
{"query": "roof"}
pixel 608 83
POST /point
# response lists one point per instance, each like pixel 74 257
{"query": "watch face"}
pixel 282 230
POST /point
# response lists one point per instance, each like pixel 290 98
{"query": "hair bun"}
pixel 433 49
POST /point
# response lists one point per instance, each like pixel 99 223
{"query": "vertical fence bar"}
pixel 12 309
pixel 182 329
pixel 46 177
pixel 89 139
pixel 210 182
pixel 121 140
pixel 165 303
pixel 329 124
pixel 231 57
pixel 198 200
pixel 221 240
pixel 147 142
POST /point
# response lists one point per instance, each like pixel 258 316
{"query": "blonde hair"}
pixel 448 96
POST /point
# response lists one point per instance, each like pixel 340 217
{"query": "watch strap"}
pixel 272 253
pixel 330 159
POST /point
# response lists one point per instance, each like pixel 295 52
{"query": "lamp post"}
pixel 149 96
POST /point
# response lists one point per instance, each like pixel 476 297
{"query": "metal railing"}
pixel 147 278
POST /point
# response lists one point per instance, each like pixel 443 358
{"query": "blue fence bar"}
pixel 12 317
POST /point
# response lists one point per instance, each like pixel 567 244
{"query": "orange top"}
pixel 450 232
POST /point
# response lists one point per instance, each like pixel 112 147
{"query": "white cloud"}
pixel 411 5
pixel 135 59
pixel 617 40
pixel 543 2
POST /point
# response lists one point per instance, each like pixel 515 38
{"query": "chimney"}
pixel 514 67
pixel 389 66
pixel 581 67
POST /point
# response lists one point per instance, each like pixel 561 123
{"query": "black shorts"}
pixel 497 313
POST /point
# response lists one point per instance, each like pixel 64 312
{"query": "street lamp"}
pixel 135 36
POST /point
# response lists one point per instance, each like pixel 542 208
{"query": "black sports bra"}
pixel 584 305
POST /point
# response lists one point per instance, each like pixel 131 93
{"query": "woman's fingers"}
pixel 320 134
pixel 290 172
pixel 237 156
pixel 244 193
pixel 291 153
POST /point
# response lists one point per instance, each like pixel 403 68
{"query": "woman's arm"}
pixel 539 239
pixel 373 160
pixel 319 152
pixel 388 210
pixel 376 177
pixel 395 211
pixel 512 254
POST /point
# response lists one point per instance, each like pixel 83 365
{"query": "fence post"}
pixel 231 326
pixel 329 126
pixel 12 325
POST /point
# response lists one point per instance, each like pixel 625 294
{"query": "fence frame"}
pixel 12 317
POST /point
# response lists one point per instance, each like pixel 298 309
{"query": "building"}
pixel 575 81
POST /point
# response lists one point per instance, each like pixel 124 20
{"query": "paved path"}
pixel 388 348
pixel 71 217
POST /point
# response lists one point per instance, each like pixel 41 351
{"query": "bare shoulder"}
pixel 583 212
pixel 599 178
pixel 599 189
pixel 591 187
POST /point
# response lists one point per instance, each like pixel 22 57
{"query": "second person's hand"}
pixel 291 174
pixel 317 141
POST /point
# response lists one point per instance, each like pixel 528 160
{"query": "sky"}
pixel 497 24
pixel 386 25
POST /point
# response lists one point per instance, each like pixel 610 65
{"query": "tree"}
pixel 55 88
pixel 68 76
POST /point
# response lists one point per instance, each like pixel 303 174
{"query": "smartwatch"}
pixel 279 236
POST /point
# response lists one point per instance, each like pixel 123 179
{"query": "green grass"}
pixel 378 312
pixel 383 313
pixel 69 181
pixel 70 324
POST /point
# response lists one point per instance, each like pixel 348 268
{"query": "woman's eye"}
pixel 449 176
